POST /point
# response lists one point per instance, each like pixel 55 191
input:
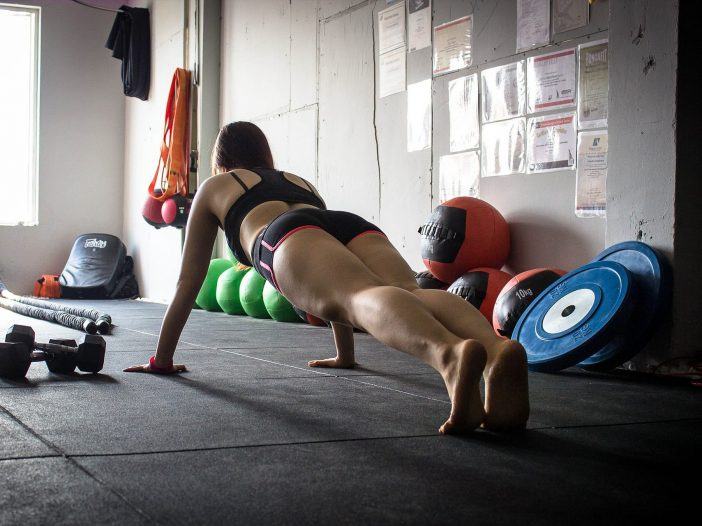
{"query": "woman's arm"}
pixel 200 235
pixel 343 339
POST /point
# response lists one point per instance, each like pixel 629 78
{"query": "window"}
pixel 19 64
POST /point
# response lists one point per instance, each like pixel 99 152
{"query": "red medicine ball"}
pixel 464 233
pixel 425 280
pixel 175 210
pixel 310 318
pixel 480 288
pixel 516 296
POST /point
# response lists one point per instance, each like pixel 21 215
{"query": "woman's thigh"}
pixel 319 274
pixel 382 259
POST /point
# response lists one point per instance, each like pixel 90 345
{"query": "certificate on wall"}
pixel 570 14
pixel 551 81
pixel 551 143
pixel 419 24
pixel 464 123
pixel 533 23
pixel 503 92
pixel 391 27
pixel 419 116
pixel 392 72
pixel 591 176
pixel 459 175
pixel 452 45
pixel 593 84
pixel 503 147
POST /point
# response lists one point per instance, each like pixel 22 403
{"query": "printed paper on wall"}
pixel 419 116
pixel 452 45
pixel 503 147
pixel 464 125
pixel 391 27
pixel 551 81
pixel 570 14
pixel 533 23
pixel 591 176
pixel 551 143
pixel 419 24
pixel 593 84
pixel 459 175
pixel 392 72
pixel 503 92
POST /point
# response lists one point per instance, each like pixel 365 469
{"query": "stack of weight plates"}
pixel 599 315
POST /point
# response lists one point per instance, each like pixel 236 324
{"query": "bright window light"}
pixel 19 69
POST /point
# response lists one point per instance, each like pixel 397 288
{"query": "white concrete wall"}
pixel 156 252
pixel 81 142
pixel 304 71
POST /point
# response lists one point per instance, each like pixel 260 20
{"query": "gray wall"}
pixel 305 72
pixel 81 144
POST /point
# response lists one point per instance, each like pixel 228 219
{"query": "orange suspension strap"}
pixel 172 170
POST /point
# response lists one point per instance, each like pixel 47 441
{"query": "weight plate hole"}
pixel 568 311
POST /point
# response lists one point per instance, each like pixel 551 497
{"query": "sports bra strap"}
pixel 238 180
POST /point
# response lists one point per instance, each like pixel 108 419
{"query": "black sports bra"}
pixel 274 186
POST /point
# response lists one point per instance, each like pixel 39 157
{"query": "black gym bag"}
pixel 98 268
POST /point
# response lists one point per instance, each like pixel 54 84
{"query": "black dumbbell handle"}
pixel 54 348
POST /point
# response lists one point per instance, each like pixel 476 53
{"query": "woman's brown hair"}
pixel 241 145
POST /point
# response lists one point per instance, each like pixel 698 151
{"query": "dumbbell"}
pixel 61 356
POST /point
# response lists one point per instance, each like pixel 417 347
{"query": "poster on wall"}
pixel 570 14
pixel 419 24
pixel 503 92
pixel 391 27
pixel 503 147
pixel 591 176
pixel 459 175
pixel 593 84
pixel 452 45
pixel 551 143
pixel 551 81
pixel 533 23
pixel 464 124
pixel 392 72
pixel 419 116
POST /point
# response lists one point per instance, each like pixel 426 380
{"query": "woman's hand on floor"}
pixel 335 363
pixel 146 368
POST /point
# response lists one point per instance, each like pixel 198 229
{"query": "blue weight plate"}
pixel 653 285
pixel 575 316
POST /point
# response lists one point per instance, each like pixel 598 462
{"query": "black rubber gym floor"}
pixel 252 436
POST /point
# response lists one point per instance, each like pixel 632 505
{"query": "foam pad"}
pixel 461 234
pixel 228 290
pixel 480 287
pixel 207 297
pixel 278 306
pixel 251 295
pixel 517 294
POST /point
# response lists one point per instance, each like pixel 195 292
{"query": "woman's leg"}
pixel 506 385
pixel 323 277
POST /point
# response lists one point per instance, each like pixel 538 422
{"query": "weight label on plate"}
pixel 582 332
pixel 557 290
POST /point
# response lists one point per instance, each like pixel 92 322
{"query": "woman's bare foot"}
pixel 466 362
pixel 506 388
pixel 333 363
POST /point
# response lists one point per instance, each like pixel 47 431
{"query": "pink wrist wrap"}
pixel 156 369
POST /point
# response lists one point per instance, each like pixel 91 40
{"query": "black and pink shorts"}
pixel 344 226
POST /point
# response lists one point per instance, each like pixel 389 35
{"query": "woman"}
pixel 278 223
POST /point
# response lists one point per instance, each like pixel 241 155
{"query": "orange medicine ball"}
pixel 480 287
pixel 461 234
pixel 516 296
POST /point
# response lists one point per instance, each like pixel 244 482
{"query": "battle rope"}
pixel 78 323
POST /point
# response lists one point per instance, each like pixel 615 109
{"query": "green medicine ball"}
pixel 207 297
pixel 278 306
pixel 251 295
pixel 228 290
